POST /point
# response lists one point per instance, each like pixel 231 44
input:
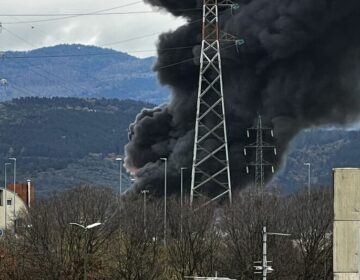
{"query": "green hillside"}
pixel 60 142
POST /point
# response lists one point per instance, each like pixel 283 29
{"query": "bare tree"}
pixel 55 250
pixel 137 251
pixel 195 240
pixel 200 241
pixel 311 219
pixel 242 224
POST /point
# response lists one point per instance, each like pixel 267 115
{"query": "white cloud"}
pixel 94 30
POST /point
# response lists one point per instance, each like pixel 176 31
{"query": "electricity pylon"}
pixel 259 146
pixel 211 169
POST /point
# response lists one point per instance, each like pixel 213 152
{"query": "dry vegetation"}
pixel 215 238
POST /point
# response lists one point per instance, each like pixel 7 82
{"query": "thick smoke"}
pixel 299 68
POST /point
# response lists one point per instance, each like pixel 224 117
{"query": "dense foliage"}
pixel 62 141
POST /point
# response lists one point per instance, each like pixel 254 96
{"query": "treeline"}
pixel 52 133
pixel 65 128
pixel 129 244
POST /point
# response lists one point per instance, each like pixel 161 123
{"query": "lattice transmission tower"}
pixel 211 170
pixel 259 146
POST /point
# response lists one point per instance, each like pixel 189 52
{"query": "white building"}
pixel 346 223
pixel 7 208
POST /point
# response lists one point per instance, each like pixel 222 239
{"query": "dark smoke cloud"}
pixel 299 68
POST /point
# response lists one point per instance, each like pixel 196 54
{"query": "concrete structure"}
pixel 26 191
pixel 7 208
pixel 347 224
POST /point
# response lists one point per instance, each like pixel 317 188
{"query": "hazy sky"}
pixel 101 30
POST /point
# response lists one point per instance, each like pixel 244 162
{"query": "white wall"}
pixel 19 206
pixel 346 223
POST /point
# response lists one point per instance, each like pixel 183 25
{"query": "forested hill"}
pixel 79 71
pixel 324 149
pixel 61 142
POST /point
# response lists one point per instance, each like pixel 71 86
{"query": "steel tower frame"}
pixel 259 146
pixel 211 168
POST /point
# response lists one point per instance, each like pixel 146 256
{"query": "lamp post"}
pixel 181 198
pixel 165 194
pixel 264 263
pixel 29 192
pixel 120 178
pixel 86 229
pixel 14 159
pixel 144 192
pixel 309 177
pixel 5 197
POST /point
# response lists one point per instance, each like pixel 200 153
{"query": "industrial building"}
pixel 346 224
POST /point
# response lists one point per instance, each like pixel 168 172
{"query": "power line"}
pixel 94 54
pixel 98 13
pixel 143 36
pixel 24 90
pixel 131 39
pixel 115 42
pixel 161 67
pixel 102 45
pixel 49 73
pixel 67 16
pixel 169 65
pixel 19 38
pixel 189 59
pixel 67 89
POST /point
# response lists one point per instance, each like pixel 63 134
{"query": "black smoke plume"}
pixel 299 68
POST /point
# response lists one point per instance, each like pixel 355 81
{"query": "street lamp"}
pixel 120 176
pixel 144 192
pixel 264 263
pixel 309 177
pixel 14 159
pixel 165 194
pixel 86 229
pixel 181 198
pixel 5 197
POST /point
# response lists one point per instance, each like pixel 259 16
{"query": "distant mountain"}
pixel 324 149
pixel 62 142
pixel 79 71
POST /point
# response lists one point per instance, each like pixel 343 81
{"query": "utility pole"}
pixel 259 146
pixel 5 188
pixel 211 167
pixel 144 192
pixel 120 160
pixel 86 243
pixel 309 177
pixel 265 268
pixel 165 197
pixel 14 159
pixel 181 199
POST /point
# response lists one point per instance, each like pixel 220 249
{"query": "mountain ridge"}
pixel 80 71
